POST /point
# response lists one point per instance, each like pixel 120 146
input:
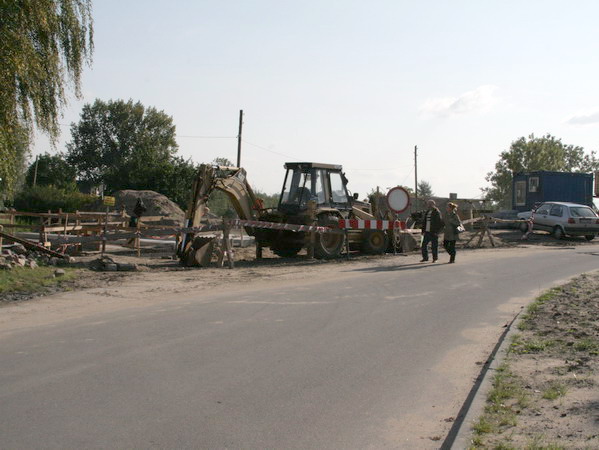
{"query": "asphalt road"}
pixel 372 356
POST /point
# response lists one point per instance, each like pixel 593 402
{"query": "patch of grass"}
pixel 554 391
pixel 537 444
pixel 533 309
pixel 521 346
pixel 503 403
pixel 587 345
pixel 24 279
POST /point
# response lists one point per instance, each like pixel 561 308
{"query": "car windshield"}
pixel 581 211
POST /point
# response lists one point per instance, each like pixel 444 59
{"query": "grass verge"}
pixel 25 280
pixel 544 395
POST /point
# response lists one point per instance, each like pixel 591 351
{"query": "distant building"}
pixel 529 188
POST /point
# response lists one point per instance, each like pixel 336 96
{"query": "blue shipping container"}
pixel 529 188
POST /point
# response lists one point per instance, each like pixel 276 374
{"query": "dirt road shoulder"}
pixel 544 392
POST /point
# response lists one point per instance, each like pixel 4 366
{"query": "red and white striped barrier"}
pixel 261 224
pixel 358 224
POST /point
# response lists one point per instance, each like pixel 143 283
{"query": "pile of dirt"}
pixel 156 205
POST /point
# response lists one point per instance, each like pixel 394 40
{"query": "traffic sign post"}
pixel 398 200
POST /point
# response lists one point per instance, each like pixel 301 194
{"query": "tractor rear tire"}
pixel 374 242
pixel 328 245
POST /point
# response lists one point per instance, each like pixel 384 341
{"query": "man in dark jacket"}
pixel 431 226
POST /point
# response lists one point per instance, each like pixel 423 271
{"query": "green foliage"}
pixel 120 143
pixel 424 189
pixel 52 170
pixel 544 153
pixel 44 45
pixel 51 198
pixel 14 148
pixel 24 279
pixel 125 145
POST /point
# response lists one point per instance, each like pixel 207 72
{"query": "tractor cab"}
pixel 324 183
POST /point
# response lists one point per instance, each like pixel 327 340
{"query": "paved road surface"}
pixel 374 356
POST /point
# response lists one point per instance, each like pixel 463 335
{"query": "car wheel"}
pixel 558 233
pixel 589 237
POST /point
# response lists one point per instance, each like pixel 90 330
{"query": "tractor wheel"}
pixel 286 250
pixel 374 242
pixel 328 245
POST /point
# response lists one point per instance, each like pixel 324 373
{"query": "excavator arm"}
pixel 230 180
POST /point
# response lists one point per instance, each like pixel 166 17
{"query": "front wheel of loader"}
pixel 328 245
pixel 374 242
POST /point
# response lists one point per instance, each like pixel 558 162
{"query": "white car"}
pixel 561 219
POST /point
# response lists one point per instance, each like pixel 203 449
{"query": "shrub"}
pixel 51 198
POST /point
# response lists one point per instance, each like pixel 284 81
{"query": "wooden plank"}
pixel 32 245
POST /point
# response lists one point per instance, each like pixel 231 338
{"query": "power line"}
pixel 206 137
pixel 384 169
pixel 270 151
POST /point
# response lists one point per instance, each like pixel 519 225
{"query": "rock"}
pixel 5 266
pixel 31 264
pixel 19 249
pixel 127 267
pixel 7 253
pixel 59 273
pixel 53 261
pixel 20 261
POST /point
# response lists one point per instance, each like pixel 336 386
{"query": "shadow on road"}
pixel 414 266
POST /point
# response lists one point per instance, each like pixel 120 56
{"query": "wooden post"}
pixel 41 238
pixel 138 238
pixel 471 215
pixel 104 233
pixel 258 250
pixel 227 243
pixel 488 221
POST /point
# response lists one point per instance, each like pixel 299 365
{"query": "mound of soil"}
pixel 156 204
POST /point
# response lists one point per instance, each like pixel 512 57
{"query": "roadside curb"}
pixel 459 435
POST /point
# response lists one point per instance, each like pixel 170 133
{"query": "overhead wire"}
pixel 269 150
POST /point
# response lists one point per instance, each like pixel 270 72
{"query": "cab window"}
pixel 337 191
pixel 319 188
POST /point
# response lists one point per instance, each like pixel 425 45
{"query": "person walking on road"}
pixel 451 234
pixel 431 227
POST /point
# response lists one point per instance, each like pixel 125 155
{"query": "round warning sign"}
pixel 398 199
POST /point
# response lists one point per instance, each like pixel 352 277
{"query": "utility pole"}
pixel 239 138
pixel 416 176
pixel 35 170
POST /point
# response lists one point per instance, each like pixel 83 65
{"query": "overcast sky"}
pixel 357 83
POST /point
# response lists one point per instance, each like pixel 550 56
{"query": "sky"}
pixel 356 83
